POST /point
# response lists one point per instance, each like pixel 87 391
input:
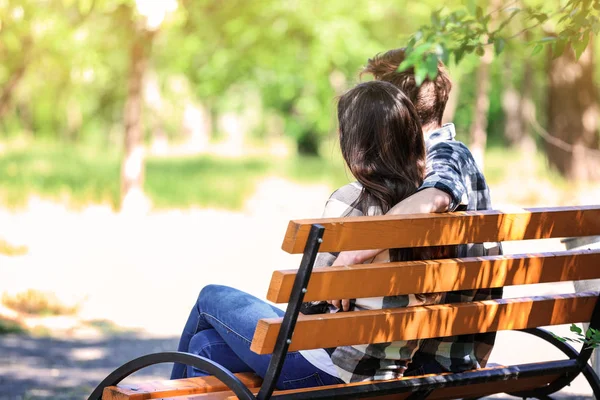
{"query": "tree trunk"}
pixel 132 170
pixel 513 126
pixel 9 88
pixel 573 116
pixel 453 98
pixel 518 108
pixel 16 76
pixel 482 106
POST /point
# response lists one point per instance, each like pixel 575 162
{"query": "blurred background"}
pixel 150 147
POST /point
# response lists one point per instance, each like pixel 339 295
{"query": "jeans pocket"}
pixel 306 382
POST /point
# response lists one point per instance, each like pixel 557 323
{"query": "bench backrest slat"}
pixel 387 325
pixel 389 279
pixel 417 230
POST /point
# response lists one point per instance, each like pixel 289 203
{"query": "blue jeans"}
pixel 221 326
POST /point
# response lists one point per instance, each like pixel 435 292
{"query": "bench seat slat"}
pixel 416 230
pixel 387 325
pixel 461 391
pixel 432 276
pixel 177 387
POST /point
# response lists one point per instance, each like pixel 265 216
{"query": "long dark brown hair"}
pixel 382 143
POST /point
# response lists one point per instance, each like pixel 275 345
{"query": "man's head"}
pixel 429 99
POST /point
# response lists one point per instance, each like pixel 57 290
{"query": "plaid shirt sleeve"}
pixel 445 172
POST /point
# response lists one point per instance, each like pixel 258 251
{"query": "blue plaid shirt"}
pixel 452 169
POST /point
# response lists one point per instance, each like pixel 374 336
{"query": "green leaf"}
pixel 432 66
pixel 580 45
pixel 499 44
pixel 420 73
pixel 411 44
pixel 569 32
pixel 404 65
pixel 559 48
pixel 479 13
pixel 435 18
pixel 420 50
pixel 537 49
pixel 471 6
pixel 563 18
pixel 459 54
pixel 479 51
pixel 576 329
pixel 588 334
pixel 579 20
pixel 560 338
pixel 486 20
pixel 444 55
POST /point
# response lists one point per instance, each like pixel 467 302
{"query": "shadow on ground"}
pixel 69 369
pixel 47 368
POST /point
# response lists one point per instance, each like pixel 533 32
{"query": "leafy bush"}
pixel 37 302
pixel 591 338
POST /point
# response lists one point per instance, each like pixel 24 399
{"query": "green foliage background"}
pixel 67 62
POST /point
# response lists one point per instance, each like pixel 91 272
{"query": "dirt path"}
pixel 46 368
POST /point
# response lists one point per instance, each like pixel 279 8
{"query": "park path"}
pixel 142 273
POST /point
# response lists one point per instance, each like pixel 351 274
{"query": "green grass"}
pixel 203 181
pixel 65 173
pixel 80 176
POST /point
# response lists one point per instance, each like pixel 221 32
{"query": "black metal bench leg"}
pixel 593 380
pixel 212 368
pixel 582 357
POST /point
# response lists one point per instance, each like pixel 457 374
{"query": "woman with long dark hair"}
pixel 382 144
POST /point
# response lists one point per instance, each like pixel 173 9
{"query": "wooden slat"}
pixel 387 325
pixel 370 280
pixel 467 391
pixel 416 230
pixel 226 395
pixel 176 387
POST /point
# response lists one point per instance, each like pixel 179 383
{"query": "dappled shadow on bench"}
pixel 32 367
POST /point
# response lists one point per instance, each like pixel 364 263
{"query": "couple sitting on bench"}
pixel 404 161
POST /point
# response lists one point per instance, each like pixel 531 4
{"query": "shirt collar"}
pixel 443 134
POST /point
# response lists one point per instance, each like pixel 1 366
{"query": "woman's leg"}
pixel 209 344
pixel 220 307
pixel 233 314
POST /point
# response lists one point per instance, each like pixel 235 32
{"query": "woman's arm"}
pixel 424 201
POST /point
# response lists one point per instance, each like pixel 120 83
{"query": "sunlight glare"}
pixel 155 11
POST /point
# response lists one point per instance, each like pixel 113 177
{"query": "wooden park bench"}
pixel 296 332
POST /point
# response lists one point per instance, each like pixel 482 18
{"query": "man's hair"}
pixel 429 99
